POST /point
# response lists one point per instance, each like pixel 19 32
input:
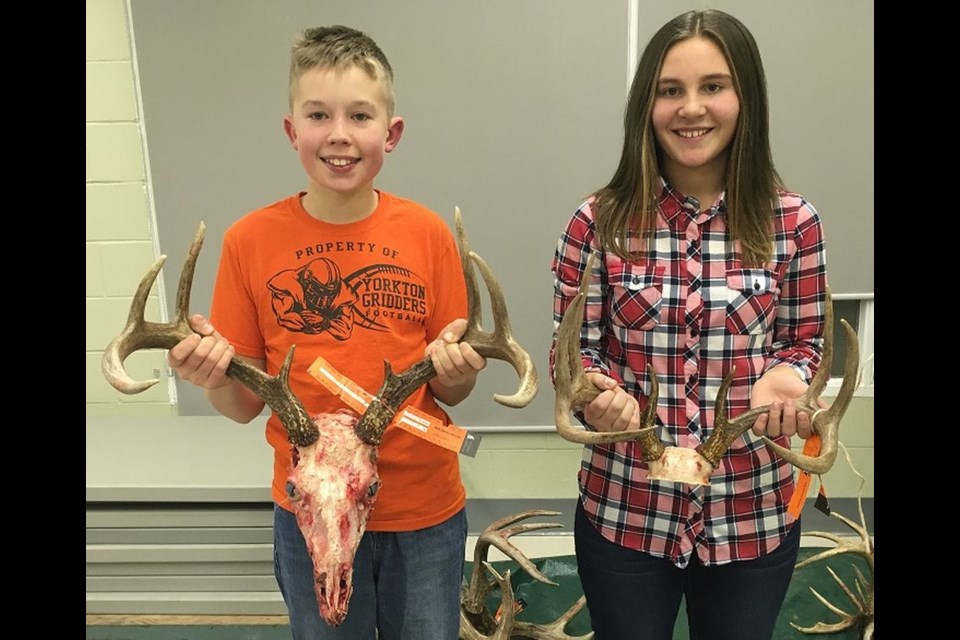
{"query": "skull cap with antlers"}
pixel 676 464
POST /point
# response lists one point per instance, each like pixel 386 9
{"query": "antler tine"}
pixel 472 627
pixel 141 334
pixel 554 630
pixel 844 546
pixel 503 522
pixel 499 343
pixel 864 616
pixel 574 389
pixel 499 539
pixel 726 430
pixel 826 423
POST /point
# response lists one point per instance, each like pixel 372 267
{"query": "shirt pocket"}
pixel 636 295
pixel 751 300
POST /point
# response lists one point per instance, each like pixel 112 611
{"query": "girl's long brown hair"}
pixel 627 205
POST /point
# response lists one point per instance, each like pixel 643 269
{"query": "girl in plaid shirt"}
pixel 706 261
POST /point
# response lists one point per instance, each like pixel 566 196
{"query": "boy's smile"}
pixel 341 129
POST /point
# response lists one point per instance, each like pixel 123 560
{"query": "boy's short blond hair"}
pixel 340 47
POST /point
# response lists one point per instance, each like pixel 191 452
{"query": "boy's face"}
pixel 341 130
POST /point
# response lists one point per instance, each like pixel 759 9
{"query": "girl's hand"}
pixel 614 409
pixel 780 387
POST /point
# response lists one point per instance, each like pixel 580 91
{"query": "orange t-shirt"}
pixel 357 294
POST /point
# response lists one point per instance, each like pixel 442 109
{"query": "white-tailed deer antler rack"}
pixel 694 466
pixel 275 390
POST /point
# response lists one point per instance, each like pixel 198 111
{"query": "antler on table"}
pixel 476 622
pixel 471 626
pixel 694 466
pixel 862 600
pixel 498 344
pixel 554 630
pixel 141 334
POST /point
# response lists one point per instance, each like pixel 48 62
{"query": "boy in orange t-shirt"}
pixel 358 276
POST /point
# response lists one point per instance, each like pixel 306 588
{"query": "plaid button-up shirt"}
pixel 694 311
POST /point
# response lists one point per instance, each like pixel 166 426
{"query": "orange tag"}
pixel 340 385
pixel 810 448
pixel 430 428
pixel 518 605
pixel 409 419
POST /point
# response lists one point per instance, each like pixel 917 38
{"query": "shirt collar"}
pixel 673 203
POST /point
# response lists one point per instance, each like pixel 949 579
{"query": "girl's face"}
pixel 695 110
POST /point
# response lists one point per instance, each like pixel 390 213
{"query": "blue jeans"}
pixel 632 595
pixel 406 585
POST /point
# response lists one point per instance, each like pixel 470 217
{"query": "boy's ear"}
pixel 394 133
pixel 290 130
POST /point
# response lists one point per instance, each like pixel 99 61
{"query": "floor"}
pixel 545 603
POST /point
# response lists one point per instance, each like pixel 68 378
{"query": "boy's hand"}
pixel 455 362
pixel 202 358
pixel 614 409
pixel 780 387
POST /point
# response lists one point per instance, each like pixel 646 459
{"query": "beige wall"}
pixel 119 235
pixel 119 239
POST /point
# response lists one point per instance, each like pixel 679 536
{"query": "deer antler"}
pixel 826 423
pixel 476 622
pixel 498 534
pixel 694 466
pixel 498 344
pixel 141 334
pixel 555 629
pixel 862 600
pixel 574 389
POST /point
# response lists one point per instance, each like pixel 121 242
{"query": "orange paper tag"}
pixel 430 428
pixel 340 385
pixel 409 419
pixel 810 448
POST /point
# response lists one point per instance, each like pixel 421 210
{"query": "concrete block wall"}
pixel 119 244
